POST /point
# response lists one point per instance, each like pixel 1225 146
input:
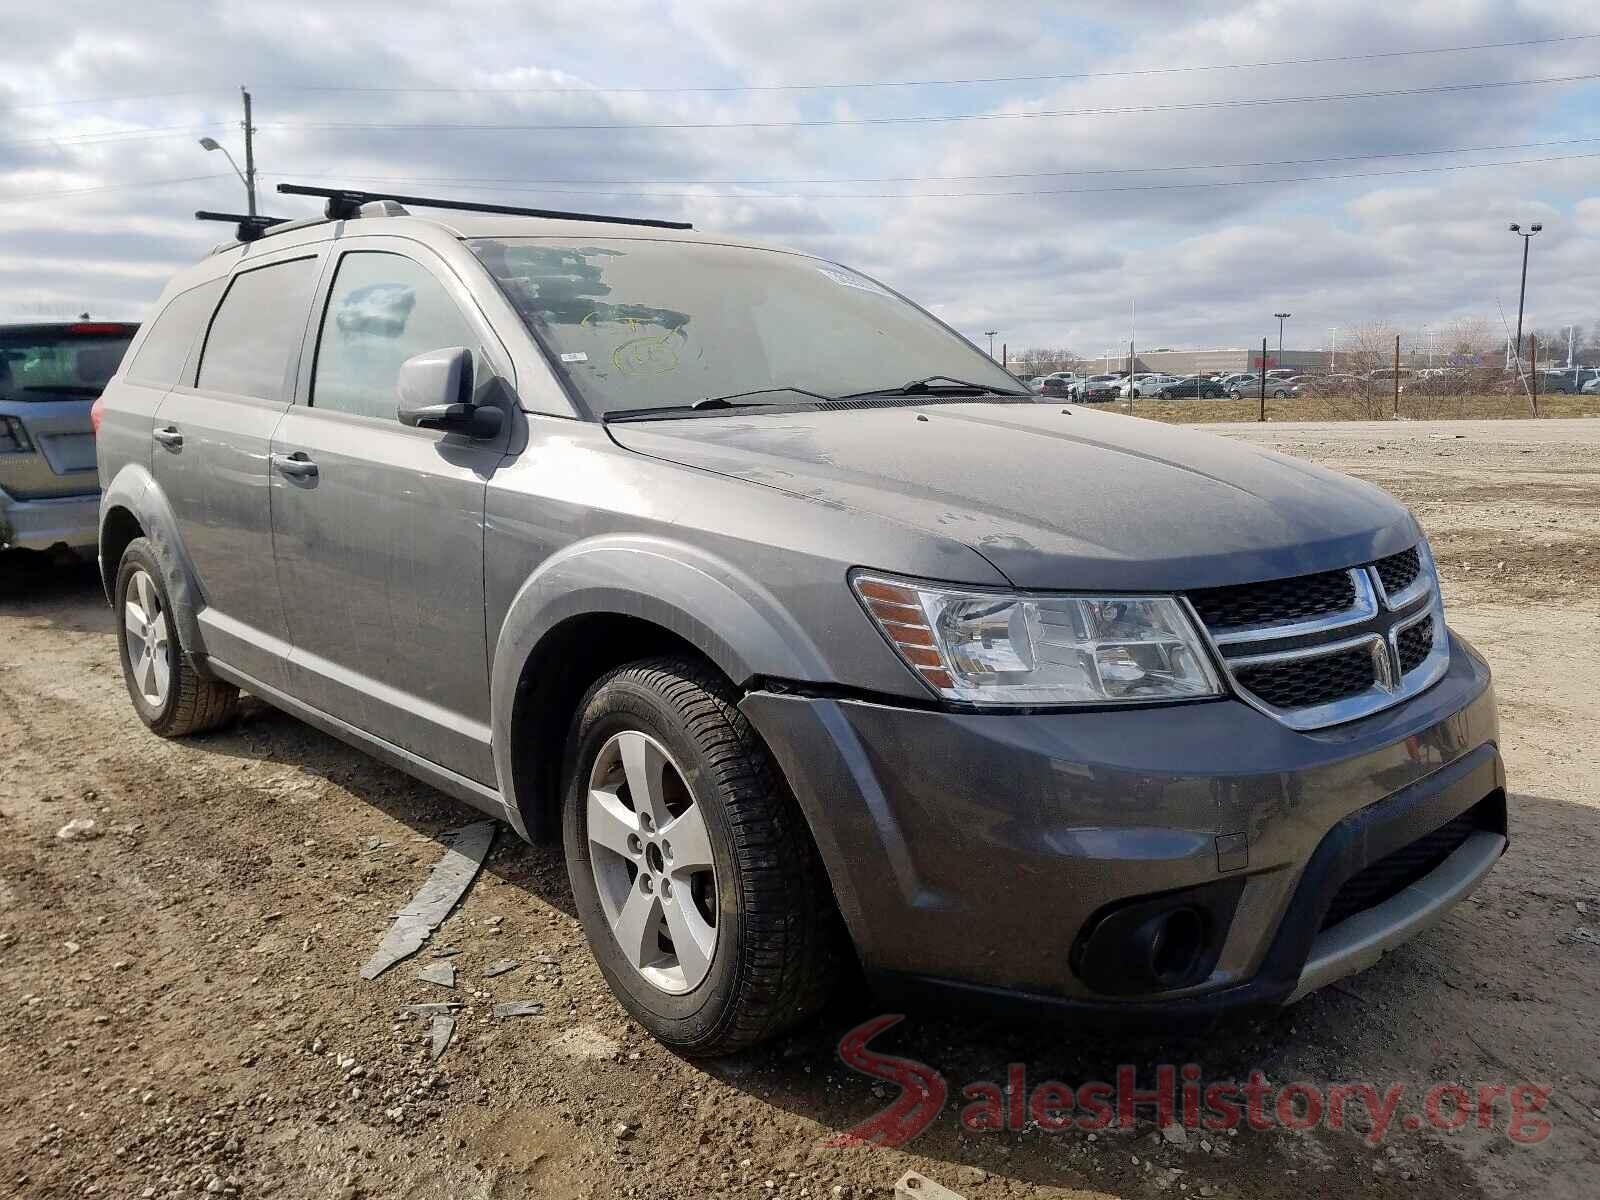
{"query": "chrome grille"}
pixel 1302 682
pixel 1399 571
pixel 1317 650
pixel 1413 642
pixel 1275 602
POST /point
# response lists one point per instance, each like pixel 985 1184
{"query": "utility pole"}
pixel 249 152
pixel 1282 317
pixel 1533 372
pixel 1333 353
pixel 1522 294
pixel 1262 377
pixel 1397 374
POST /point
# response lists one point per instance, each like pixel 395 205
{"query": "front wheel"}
pixel 694 875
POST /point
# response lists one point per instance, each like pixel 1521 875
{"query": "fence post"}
pixel 1397 374
pixel 1263 377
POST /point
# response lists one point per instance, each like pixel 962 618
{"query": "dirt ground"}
pixel 180 1009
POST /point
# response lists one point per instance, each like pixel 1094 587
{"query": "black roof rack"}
pixel 344 203
pixel 249 227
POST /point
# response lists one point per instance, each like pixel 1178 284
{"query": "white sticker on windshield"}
pixel 575 356
pixel 851 280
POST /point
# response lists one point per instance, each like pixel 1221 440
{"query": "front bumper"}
pixel 40 524
pixel 969 853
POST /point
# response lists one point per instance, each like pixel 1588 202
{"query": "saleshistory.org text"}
pixel 1181 1095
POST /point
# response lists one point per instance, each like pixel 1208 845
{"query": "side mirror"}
pixel 435 392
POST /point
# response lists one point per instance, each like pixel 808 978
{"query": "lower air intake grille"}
pixel 1301 683
pixel 1395 872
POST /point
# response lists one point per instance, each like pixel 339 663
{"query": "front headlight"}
pixel 1000 648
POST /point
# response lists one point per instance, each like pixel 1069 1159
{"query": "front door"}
pixel 378 527
pixel 212 433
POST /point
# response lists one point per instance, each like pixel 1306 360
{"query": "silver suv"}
pixel 811 633
pixel 51 374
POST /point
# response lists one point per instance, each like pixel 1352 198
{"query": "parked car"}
pixel 1196 387
pixel 1250 385
pixel 1282 373
pixel 1568 382
pixel 1147 385
pixel 1097 389
pixel 812 638
pixel 1059 383
pixel 50 376
pixel 1592 388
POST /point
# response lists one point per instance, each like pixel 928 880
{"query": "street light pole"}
pixel 1522 294
pixel 1282 317
pixel 989 333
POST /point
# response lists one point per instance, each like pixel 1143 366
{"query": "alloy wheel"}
pixel 149 649
pixel 652 862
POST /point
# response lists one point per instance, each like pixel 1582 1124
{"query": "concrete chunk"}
pixel 451 878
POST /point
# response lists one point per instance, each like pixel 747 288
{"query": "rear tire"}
pixel 168 693
pixel 766 936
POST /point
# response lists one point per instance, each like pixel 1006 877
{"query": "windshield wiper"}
pixel 932 384
pixel 706 403
pixel 64 389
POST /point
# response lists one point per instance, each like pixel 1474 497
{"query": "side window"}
pixel 382 310
pixel 257 330
pixel 166 348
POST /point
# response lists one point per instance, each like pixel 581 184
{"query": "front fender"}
pixel 729 617
pixel 135 490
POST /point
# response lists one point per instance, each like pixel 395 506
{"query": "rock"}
pixel 519 1008
pixel 622 1131
pixel 912 1186
pixel 79 829
pixel 442 973
pixel 1175 1135
pixel 500 967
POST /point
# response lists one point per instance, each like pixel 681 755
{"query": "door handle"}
pixel 169 437
pixel 295 466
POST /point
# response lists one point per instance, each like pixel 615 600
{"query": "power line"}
pixel 324 172
pixel 1149 187
pixel 114 99
pixel 113 135
pixel 933 119
pixel 849 85
pixel 109 187
pixel 910 83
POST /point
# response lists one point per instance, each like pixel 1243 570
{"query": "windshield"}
pixel 60 362
pixel 643 323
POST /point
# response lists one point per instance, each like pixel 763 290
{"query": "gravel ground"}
pixel 180 1009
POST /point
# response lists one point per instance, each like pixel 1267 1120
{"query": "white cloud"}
pixel 1201 266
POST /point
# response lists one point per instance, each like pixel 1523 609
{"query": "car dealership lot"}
pixel 180 1003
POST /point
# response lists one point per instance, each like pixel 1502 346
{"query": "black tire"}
pixel 191 703
pixel 779 944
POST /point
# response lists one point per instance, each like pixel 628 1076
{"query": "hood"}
pixel 1056 499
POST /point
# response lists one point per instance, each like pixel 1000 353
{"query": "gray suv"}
pixel 51 375
pixel 815 638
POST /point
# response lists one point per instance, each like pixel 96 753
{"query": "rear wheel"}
pixel 169 695
pixel 696 880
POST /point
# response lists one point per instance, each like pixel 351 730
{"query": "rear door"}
pixel 212 435
pixel 377 526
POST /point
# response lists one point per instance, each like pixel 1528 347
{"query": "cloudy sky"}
pixel 906 141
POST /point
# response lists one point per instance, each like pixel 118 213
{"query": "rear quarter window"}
pixel 166 347
pixel 255 336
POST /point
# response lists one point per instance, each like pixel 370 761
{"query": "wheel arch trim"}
pixel 135 490
pixel 693 595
